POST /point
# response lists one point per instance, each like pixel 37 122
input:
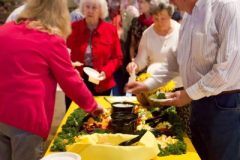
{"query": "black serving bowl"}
pixel 123 107
pixel 123 118
pixel 123 123
pixel 127 127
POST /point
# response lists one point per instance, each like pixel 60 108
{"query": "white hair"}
pixel 132 10
pixel 164 1
pixel 103 7
pixel 76 2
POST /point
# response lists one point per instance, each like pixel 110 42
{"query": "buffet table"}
pixel 191 153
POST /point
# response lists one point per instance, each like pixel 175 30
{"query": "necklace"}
pixel 92 27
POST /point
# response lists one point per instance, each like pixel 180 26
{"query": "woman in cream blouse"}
pixel 158 41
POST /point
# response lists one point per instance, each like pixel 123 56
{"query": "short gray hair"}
pixel 103 6
pixel 162 6
pixel 76 2
pixel 153 3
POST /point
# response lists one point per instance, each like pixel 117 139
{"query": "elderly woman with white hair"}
pixel 157 48
pixel 95 43
pixel 159 40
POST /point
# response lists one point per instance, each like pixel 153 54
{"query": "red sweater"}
pixel 32 63
pixel 106 50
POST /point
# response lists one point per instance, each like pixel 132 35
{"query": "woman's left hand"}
pixel 99 110
pixel 102 75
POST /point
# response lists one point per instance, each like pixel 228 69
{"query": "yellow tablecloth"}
pixel 191 153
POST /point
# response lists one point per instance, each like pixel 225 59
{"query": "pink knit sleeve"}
pixel 69 80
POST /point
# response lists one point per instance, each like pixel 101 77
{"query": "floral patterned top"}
pixel 139 24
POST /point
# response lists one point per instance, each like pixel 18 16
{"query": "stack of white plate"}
pixel 62 156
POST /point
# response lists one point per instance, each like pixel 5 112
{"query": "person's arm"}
pixel 164 73
pixel 132 42
pixel 141 58
pixel 225 72
pixel 161 76
pixel 68 79
pixel 140 61
pixel 132 47
pixel 116 56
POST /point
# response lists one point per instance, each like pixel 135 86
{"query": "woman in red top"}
pixel 95 43
pixel 33 58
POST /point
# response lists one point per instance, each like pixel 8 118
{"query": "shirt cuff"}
pixel 195 92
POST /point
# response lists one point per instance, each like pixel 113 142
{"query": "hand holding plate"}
pixel 102 75
pixel 178 99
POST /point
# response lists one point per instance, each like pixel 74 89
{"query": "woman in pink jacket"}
pixel 33 58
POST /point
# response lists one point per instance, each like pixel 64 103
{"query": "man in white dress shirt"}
pixel 208 60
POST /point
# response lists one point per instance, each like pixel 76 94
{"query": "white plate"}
pixel 160 100
pixel 62 156
pixel 121 99
pixel 92 73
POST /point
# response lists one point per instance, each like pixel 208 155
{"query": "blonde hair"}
pixel 103 6
pixel 50 16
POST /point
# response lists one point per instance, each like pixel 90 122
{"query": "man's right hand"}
pixel 177 98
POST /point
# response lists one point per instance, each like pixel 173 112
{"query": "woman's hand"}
pixel 99 110
pixel 136 87
pixel 131 67
pixel 102 75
